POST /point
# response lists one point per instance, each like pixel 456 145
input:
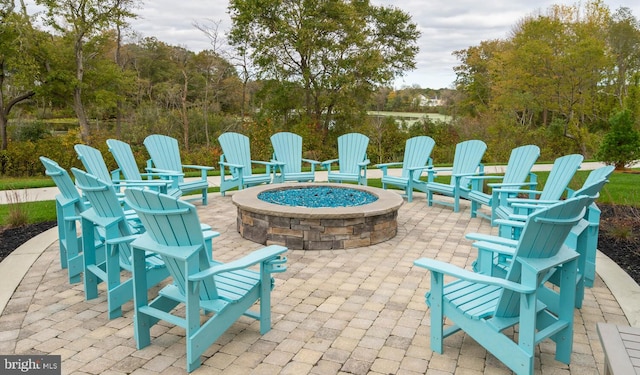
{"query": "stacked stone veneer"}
pixel 317 228
pixel 317 234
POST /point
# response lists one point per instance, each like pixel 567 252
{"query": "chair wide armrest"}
pixel 266 254
pixel 437 266
pixel 492 239
pixel 200 167
pixel 331 161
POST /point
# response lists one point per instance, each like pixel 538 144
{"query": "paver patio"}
pixel 354 311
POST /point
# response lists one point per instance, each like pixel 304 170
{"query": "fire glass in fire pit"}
pixel 320 196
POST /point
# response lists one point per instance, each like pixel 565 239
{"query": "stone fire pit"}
pixel 321 228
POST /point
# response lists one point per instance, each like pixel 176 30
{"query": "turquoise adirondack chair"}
pixel 69 206
pixel 512 207
pixel 94 163
pixel 583 237
pixel 522 207
pixel 287 155
pixel 580 239
pixel 518 170
pixel 128 167
pixel 590 235
pixel 467 162
pixel 417 158
pixel 200 284
pixel 107 213
pixel 165 159
pixel 236 159
pixel 352 159
pixel 484 306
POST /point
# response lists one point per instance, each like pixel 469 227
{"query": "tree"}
pixel 552 72
pixel 19 68
pixel 82 19
pixel 334 51
pixel 624 44
pixel 474 76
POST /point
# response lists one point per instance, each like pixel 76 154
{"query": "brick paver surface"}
pixel 355 311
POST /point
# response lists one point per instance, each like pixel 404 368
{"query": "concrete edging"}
pixel 14 267
pixel 622 287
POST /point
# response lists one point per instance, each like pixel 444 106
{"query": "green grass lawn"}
pixel 622 189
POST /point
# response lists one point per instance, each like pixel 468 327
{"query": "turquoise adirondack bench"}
pixel 236 164
pixel 94 164
pixel 200 284
pixel 128 168
pixel 417 158
pixel 69 206
pixel 484 306
pixel 165 159
pixel 288 160
pixel 467 162
pixel 352 159
pixel 517 175
pixel 511 207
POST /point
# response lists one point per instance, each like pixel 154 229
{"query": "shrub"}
pixel 18 214
pixel 621 145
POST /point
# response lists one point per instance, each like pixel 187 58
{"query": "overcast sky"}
pixel 446 26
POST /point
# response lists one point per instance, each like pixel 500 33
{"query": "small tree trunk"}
pixel 185 117
pixel 78 106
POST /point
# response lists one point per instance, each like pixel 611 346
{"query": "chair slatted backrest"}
pixel 164 152
pixel 236 150
pixel 105 208
pixel 93 162
pixel 598 174
pixel 417 152
pixel 287 149
pixel 467 159
pixel 562 171
pixel 125 159
pixel 68 191
pixel 352 149
pixel 173 223
pixel 591 189
pixel 520 163
pixel 542 237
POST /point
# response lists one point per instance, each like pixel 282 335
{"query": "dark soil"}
pixel 619 237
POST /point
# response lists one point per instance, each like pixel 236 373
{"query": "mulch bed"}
pixel 619 237
pixel 12 238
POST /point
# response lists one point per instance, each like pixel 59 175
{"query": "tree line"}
pixel 314 68
pixel 557 80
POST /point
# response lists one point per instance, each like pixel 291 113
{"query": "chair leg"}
pixel 89 258
pixel 192 316
pixel 564 338
pixel 141 321
pixel 437 316
pixel 114 300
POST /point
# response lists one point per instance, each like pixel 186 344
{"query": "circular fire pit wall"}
pixel 317 228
